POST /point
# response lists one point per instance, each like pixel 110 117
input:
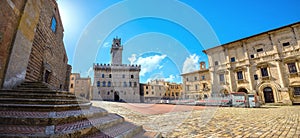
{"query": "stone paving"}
pixel 214 122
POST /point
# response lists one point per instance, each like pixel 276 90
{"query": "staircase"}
pixel 33 110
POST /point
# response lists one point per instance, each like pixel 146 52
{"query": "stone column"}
pixel 18 61
pixel 250 80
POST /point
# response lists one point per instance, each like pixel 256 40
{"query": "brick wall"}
pixel 48 52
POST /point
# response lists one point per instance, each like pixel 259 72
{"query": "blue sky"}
pixel 166 37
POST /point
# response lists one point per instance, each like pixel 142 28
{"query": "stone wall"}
pixel 10 15
pixel 48 52
pixel 270 51
pixel 29 47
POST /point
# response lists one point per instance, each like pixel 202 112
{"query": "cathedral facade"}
pixel 116 81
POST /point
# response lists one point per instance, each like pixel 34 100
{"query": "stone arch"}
pixel 242 89
pixel 275 89
pixel 224 92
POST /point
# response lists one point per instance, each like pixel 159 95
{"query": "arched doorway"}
pixel 268 94
pixel 116 96
pixel 242 90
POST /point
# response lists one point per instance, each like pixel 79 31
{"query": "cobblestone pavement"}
pixel 214 122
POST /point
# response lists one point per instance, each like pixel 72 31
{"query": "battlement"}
pixel 98 66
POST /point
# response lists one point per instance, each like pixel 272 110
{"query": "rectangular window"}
pixel 240 75
pixel 221 77
pixel 109 75
pixel 292 67
pixel 259 50
pixel 102 75
pixel 264 72
pixel 251 56
pixel 216 63
pixel 255 77
pixel 98 83
pixel 232 59
pixel 188 87
pixel 196 87
pixel 71 85
pixel 195 78
pixel 187 79
pixel 203 77
pixel 53 24
pixel 286 44
pixel 297 91
pixel 124 84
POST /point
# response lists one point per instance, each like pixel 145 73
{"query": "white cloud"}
pixel 161 77
pixel 160 67
pixel 106 44
pixel 148 64
pixel 191 63
pixel 170 78
pixel 132 59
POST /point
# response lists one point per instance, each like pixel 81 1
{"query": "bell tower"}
pixel 116 51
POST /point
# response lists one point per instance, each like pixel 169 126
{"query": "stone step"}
pixel 48 118
pixel 74 129
pixel 123 130
pixel 89 126
pixel 34 85
pixel 148 134
pixel 43 91
pixel 44 108
pixel 37 96
pixel 41 101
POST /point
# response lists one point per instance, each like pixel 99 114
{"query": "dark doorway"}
pixel 116 97
pixel 47 75
pixel 242 90
pixel 268 94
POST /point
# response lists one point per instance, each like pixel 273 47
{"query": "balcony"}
pixel 265 77
pixel 294 74
pixel 242 81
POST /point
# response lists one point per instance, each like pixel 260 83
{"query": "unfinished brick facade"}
pixel 33 49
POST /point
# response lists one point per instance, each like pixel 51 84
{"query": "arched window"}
pixel 98 83
pixel 102 75
pixel 103 84
pixel 109 84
